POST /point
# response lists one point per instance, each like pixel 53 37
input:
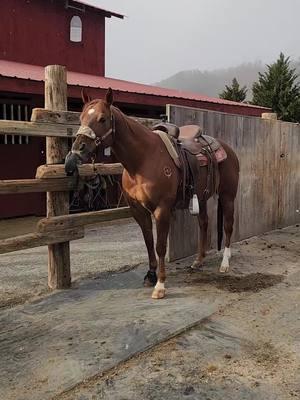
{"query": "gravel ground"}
pixel 105 247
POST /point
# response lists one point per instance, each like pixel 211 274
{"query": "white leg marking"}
pixel 159 286
pixel 225 262
pixel 159 291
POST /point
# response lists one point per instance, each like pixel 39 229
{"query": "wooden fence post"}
pixel 59 271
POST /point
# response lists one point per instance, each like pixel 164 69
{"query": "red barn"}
pixel 36 33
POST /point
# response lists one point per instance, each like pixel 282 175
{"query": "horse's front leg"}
pixel 143 218
pixel 162 217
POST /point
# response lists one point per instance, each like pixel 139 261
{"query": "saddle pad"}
pixel 220 155
pixel 169 146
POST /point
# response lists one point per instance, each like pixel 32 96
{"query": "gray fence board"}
pixel 269 189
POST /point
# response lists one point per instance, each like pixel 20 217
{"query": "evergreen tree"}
pixel 277 88
pixel 234 92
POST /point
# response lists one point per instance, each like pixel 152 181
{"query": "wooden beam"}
pixel 54 224
pixel 85 170
pixel 39 239
pixel 59 262
pixel 24 128
pixel 55 117
pixel 149 122
pixel 39 185
pixel 73 118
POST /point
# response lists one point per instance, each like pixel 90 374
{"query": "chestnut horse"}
pixel 151 180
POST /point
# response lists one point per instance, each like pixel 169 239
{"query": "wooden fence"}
pixel 59 228
pixel 269 189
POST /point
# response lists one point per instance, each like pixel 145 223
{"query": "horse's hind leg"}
pixel 162 217
pixel 228 212
pixel 202 244
pixel 143 218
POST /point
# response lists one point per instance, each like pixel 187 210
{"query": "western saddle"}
pixel 191 144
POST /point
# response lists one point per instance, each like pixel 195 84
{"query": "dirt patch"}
pixel 233 283
pixel 265 354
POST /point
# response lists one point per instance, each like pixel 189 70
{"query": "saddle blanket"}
pixel 169 146
pixel 220 153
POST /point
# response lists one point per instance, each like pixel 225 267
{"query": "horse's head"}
pixel 96 128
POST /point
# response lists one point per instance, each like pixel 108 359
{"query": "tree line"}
pixel 276 88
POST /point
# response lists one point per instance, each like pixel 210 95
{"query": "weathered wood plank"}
pixel 39 239
pixel 24 128
pixel 17 186
pixel 183 236
pixel 59 268
pixel 76 220
pixel 55 117
pixel 269 188
pixel 85 170
pixel 41 115
pixel 52 123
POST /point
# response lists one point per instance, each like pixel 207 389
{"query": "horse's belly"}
pixel 151 193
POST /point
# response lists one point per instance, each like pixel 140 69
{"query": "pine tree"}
pixel 234 92
pixel 277 88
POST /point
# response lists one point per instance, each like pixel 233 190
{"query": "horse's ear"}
pixel 109 97
pixel 85 97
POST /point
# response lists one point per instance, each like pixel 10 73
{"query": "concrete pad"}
pixel 57 342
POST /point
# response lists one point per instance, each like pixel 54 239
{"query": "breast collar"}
pixel 90 133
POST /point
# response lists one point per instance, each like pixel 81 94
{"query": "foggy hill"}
pixel 212 83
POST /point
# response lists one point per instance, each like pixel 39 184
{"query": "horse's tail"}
pixel 220 224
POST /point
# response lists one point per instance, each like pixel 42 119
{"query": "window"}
pixel 14 112
pixel 76 29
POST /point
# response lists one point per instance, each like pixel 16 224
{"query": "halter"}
pixel 89 132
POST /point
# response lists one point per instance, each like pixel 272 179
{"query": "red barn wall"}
pixel 21 162
pixel 38 32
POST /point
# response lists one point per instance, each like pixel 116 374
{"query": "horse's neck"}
pixel 132 142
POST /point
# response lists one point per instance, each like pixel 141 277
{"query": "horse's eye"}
pixel 102 120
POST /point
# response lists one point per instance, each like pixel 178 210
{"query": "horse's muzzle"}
pixel 71 163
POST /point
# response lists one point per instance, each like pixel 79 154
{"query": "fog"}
pixel 158 38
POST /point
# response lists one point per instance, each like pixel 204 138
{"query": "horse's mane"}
pixel 131 123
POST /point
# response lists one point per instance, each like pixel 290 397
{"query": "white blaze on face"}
pixel 91 111
pixel 225 262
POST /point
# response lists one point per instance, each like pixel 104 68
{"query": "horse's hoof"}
pixel 150 279
pixel 158 293
pixel 224 269
pixel 197 264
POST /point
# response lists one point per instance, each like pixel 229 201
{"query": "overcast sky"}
pixel 161 37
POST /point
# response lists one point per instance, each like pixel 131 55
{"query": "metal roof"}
pixel 107 12
pixel 36 73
